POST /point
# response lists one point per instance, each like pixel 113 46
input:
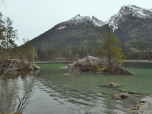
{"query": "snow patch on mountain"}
pixel 62 27
pixel 140 12
pixel 97 22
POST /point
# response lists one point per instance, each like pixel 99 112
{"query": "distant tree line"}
pixel 69 54
pixel 144 55
pixel 72 53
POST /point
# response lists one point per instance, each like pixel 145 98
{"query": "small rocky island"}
pixel 9 66
pixel 96 65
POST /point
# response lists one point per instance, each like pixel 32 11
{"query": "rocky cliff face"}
pixel 132 25
pixel 125 13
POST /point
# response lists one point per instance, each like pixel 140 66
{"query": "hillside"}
pixel 132 25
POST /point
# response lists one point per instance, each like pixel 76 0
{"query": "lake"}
pixel 49 91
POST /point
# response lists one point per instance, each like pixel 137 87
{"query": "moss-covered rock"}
pixel 96 65
pixel 143 106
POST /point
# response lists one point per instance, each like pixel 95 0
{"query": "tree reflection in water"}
pixel 15 93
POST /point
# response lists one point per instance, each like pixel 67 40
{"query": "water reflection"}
pixel 15 91
pixel 86 101
pixel 49 91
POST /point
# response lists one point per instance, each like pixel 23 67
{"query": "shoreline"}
pixel 138 60
pixel 73 61
pixel 143 106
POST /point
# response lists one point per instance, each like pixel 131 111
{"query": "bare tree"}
pixel 3 3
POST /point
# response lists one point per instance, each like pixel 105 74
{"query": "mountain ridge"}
pixel 130 24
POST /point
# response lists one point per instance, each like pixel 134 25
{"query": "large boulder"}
pixel 144 106
pixel 84 61
pixel 122 96
pixel 90 60
pixel 96 65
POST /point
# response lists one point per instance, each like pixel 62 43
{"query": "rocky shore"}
pixel 143 106
pixel 10 65
pixel 96 65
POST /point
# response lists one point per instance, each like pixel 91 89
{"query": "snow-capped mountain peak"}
pixel 133 10
pixel 79 19
pixel 116 20
pixel 86 19
pixel 137 11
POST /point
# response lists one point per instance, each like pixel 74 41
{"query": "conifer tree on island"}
pixel 110 48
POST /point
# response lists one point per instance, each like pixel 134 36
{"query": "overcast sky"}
pixel 33 17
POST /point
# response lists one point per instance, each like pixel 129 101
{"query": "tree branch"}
pixel 4 3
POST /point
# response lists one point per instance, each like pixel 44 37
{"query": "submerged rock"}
pixel 130 92
pixel 96 65
pixel 75 90
pixel 122 96
pixel 64 67
pixel 66 74
pixel 112 85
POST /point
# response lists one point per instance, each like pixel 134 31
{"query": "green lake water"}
pixel 49 91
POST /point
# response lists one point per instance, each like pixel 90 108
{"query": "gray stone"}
pixel 23 61
pixel 124 95
pixel 147 106
pixel 134 112
pixel 91 59
pixel 129 73
pixel 13 68
pixel 97 65
pixel 64 67
pixel 112 84
pixel 144 106
pixel 36 67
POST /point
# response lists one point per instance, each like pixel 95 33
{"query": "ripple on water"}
pixel 55 93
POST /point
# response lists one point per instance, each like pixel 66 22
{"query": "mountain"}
pixel 72 33
pixel 131 10
pixel 132 25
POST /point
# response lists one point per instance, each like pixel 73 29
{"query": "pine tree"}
pixel 2 28
pixel 10 34
pixel 110 48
